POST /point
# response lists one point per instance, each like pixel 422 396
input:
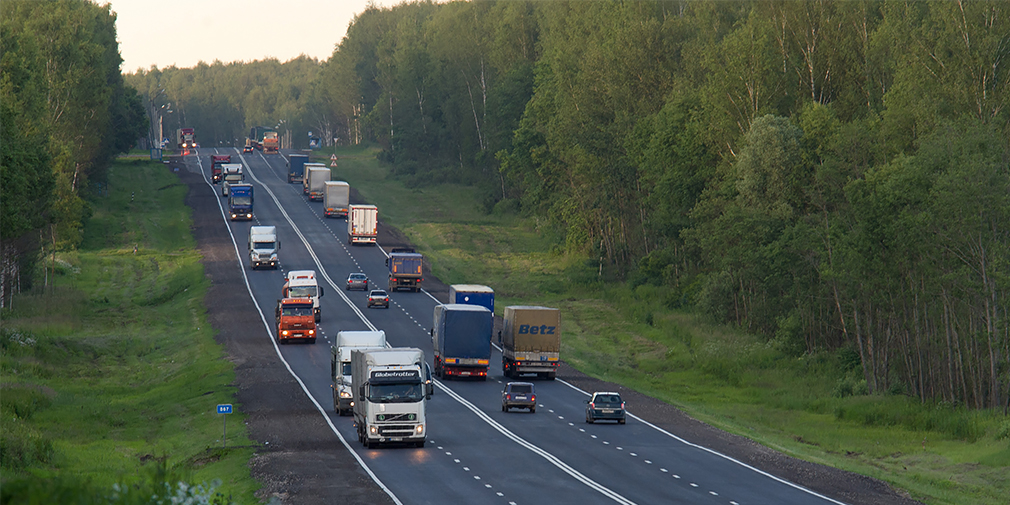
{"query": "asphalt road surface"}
pixel 475 453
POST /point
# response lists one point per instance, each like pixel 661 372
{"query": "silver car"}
pixel 357 281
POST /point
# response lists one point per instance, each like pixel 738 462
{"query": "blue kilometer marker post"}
pixel 224 408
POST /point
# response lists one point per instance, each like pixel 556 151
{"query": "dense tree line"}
pixel 829 174
pixel 65 112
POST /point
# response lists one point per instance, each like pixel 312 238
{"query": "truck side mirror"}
pixel 387 262
pixel 333 367
pixel 321 292
pixel 361 393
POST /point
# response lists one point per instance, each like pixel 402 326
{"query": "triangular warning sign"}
pixel 333 157
pixel 333 163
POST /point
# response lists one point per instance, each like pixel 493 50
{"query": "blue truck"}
pixel 296 167
pixel 240 201
pixel 472 294
pixel 461 337
pixel 404 269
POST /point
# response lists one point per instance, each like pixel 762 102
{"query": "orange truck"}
pixel 295 320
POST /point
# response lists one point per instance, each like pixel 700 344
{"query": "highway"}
pixel 475 453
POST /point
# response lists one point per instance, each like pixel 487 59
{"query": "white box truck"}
pixel 263 247
pixel 302 284
pixel 305 175
pixel 231 174
pixel 389 396
pixel 317 181
pixel 340 363
pixel 336 198
pixel 362 222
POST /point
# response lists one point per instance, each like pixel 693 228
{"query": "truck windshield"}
pixel 396 393
pixel 302 292
pixel 296 310
pixel 241 200
pixel 263 245
pixel 233 177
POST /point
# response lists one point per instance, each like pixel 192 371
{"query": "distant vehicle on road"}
pixel 520 395
pixel 605 405
pixel 378 298
pixel 357 280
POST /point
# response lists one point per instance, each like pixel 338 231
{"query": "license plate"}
pixel 396 439
pixel 465 373
pixel 608 411
pixel 520 398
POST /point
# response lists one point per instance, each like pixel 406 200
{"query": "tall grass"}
pixel 110 375
pixel 814 406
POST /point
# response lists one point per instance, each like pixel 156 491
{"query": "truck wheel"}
pixel 336 403
pixel 312 340
pixel 318 317
pixel 620 421
pixel 419 444
pixel 589 420
pixel 551 375
pixel 503 407
pixel 533 410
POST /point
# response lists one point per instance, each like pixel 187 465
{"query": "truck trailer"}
pixel 317 181
pixel 404 269
pixel 263 247
pixel 531 341
pixel 362 223
pixel 472 294
pixel 296 167
pixel 340 363
pixel 305 177
pixel 389 396
pixel 302 283
pixel 231 173
pixel 336 198
pixel 240 201
pixel 461 337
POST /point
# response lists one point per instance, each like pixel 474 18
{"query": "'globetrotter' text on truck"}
pixel 302 283
pixel 531 341
pixel 362 221
pixel 404 269
pixel 294 320
pixel 336 198
pixel 240 201
pixel 461 337
pixel 340 363
pixel 296 167
pixel 389 396
pixel 263 246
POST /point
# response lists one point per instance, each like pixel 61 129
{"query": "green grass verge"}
pixel 110 376
pixel 810 407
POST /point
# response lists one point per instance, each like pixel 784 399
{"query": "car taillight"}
pixel 508 397
pixel 592 405
pixel 622 405
pixel 533 398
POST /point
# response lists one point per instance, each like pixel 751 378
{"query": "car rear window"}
pixel 522 388
pixel 608 399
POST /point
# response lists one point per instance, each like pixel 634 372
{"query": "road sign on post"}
pixel 224 408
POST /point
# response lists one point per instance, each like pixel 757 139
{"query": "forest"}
pixel 65 112
pixel 828 174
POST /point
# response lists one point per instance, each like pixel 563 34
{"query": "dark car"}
pixel 519 395
pixel 247 149
pixel 357 281
pixel 378 298
pixel 605 405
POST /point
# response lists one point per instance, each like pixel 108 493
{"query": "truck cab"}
pixel 340 364
pixel 404 269
pixel 263 247
pixel 240 201
pixel 302 283
pixel 390 397
pixel 215 166
pixel 231 174
pixel 295 321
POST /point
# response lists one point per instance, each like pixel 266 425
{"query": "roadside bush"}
pixel 22 447
pixel 955 422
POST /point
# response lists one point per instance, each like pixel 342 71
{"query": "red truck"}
pixel 295 320
pixel 215 166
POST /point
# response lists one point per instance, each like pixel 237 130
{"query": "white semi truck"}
pixel 317 181
pixel 303 284
pixel 263 247
pixel 389 396
pixel 340 363
pixel 362 224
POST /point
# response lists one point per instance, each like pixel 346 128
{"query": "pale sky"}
pixel 184 32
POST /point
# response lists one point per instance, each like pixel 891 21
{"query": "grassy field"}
pixel 812 407
pixel 110 375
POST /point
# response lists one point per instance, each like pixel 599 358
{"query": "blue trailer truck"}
pixel 296 167
pixel 404 269
pixel 472 294
pixel 461 337
pixel 240 201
